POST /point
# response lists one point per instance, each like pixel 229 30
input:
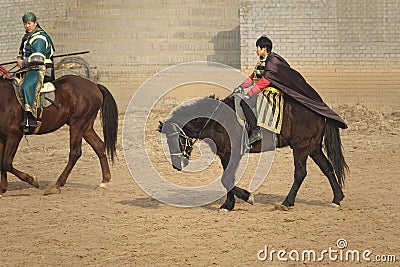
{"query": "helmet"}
pixel 28 16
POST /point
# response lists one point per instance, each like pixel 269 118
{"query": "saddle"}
pixel 268 109
pixel 46 97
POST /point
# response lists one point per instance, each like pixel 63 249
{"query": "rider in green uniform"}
pixel 35 61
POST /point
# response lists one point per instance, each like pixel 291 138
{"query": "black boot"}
pixel 29 120
pixel 32 120
pixel 255 135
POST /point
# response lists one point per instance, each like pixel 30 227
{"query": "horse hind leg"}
pixel 74 154
pixel 98 146
pixel 327 169
pixel 300 171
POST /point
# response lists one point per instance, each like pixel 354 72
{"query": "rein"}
pixel 208 120
pixel 5 72
pixel 189 142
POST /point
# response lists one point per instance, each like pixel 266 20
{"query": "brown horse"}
pixel 302 129
pixel 77 102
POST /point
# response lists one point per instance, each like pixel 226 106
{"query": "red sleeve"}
pixel 261 84
pixel 248 82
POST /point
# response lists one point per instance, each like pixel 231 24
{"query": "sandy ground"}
pixel 122 226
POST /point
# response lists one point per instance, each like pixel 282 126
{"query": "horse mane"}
pixel 185 111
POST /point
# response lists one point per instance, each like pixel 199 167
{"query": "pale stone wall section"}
pixel 347 49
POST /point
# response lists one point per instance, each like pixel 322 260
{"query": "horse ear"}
pixel 160 126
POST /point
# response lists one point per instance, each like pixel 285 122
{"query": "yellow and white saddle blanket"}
pixel 269 109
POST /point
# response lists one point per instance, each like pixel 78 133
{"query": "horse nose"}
pixel 176 162
pixel 185 161
pixel 177 168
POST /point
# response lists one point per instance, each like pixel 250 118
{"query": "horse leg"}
pixel 21 175
pixel 326 167
pixel 300 159
pixel 98 146
pixel 75 152
pixel 229 203
pixel 228 180
pixel 3 182
pixel 243 194
pixel 24 176
pixel 8 150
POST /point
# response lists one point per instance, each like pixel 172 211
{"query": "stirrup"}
pixel 29 121
pixel 255 135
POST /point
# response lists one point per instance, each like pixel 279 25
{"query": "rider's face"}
pixel 30 26
pixel 261 52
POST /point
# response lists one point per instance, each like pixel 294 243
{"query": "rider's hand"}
pixel 20 62
pixel 238 89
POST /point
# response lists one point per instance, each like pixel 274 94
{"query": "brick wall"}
pixel 131 40
pixel 347 49
pixel 11 27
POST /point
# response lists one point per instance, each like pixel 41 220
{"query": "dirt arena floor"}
pixel 122 226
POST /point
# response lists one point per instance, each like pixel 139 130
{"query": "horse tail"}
pixel 333 148
pixel 109 119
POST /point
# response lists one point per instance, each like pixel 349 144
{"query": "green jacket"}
pixel 36 52
pixel 36 48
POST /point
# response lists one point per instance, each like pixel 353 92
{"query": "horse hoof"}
pixel 35 182
pixel 222 210
pixel 335 206
pixel 281 207
pixel 251 199
pixel 53 189
pixel 103 185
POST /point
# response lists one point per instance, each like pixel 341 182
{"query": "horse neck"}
pixel 203 128
pixel 6 84
pixel 197 128
pixel 230 101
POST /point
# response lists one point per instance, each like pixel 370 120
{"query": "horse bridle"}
pixel 189 142
pixel 187 145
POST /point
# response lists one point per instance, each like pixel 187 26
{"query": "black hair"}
pixel 264 41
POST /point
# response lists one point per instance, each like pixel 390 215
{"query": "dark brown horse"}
pixel 302 129
pixel 79 101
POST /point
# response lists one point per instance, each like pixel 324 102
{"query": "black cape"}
pixel 292 83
